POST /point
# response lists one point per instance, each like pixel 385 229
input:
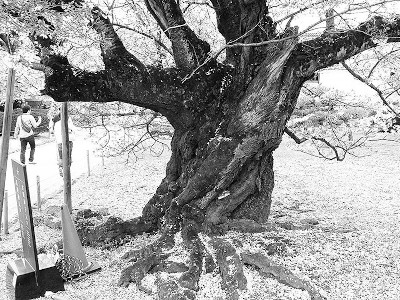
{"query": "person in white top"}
pixel 24 130
pixel 55 128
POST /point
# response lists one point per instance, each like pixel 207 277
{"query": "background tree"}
pixel 228 107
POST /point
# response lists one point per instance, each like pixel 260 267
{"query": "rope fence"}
pixel 43 184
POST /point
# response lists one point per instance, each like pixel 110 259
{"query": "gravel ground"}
pixel 352 253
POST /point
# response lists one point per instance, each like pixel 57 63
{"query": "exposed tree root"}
pixel 92 229
pixel 169 289
pixel 136 272
pixel 282 274
pixel 206 254
pixel 246 226
pixel 230 267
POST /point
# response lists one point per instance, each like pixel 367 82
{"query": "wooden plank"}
pixel 8 110
pixel 66 162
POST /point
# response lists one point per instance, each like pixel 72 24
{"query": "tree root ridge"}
pixel 169 289
pixel 230 266
pixel 205 253
pixel 144 260
pixel 136 272
pixel 152 255
pixel 190 230
pixel 161 245
pixel 282 274
pixel 245 226
pixel 94 231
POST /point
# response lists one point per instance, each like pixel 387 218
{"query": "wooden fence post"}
pixel 88 162
pixel 66 161
pixel 6 131
pixel 39 200
pixel 5 219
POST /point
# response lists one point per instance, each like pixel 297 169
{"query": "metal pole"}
pixel 5 219
pixel 88 162
pixel 6 131
pixel 39 200
pixel 66 162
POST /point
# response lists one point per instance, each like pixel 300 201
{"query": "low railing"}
pixel 41 185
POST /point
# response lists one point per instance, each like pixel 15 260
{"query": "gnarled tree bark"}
pixel 228 119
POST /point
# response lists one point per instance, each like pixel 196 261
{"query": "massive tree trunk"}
pixel 228 119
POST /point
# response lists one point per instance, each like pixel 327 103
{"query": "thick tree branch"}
pixel 161 93
pixel 334 47
pixel 189 51
pixel 245 22
pixel 113 51
pixel 228 20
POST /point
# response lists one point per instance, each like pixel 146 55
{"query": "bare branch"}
pixel 371 85
pixel 334 149
pixel 158 41
pixel 380 60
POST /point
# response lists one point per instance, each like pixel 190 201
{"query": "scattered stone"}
pixel 104 211
pixel 87 214
pixel 53 222
pixel 311 221
pixel 53 210
pixel 276 248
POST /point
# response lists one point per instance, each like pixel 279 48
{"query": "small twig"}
pixel 371 85
pixel 294 136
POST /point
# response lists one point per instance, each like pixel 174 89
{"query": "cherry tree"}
pixel 228 96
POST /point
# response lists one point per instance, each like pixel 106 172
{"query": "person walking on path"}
pixel 24 130
pixel 55 128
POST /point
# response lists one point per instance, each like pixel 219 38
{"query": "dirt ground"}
pixel 351 251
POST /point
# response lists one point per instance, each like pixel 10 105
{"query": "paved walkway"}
pixel 47 170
